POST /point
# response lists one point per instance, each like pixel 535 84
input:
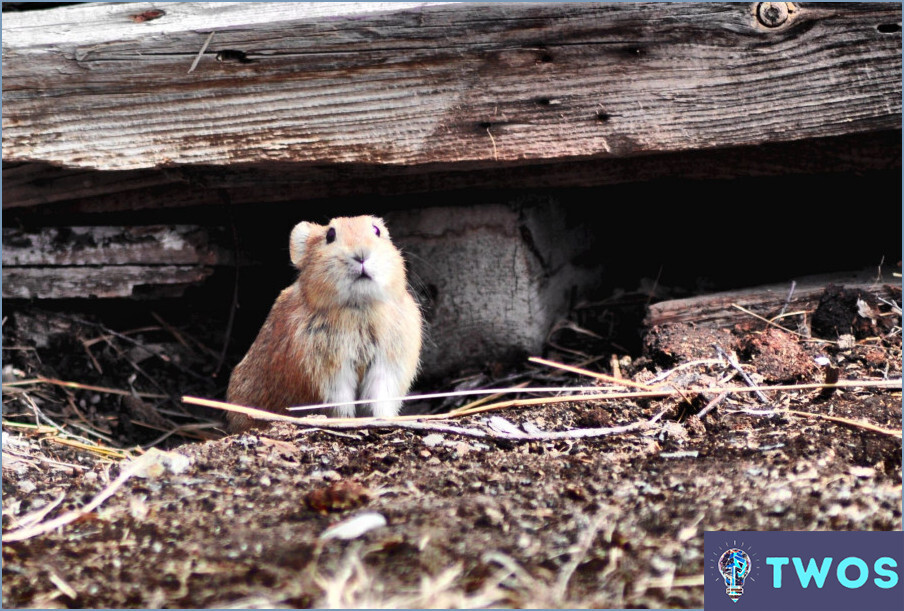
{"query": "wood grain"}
pixel 144 245
pixel 58 191
pixel 105 281
pixel 414 84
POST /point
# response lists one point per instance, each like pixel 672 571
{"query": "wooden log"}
pixel 106 281
pixel 718 309
pixel 147 245
pixel 103 86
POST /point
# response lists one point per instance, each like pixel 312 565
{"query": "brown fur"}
pixel 330 321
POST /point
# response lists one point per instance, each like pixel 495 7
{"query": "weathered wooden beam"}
pixel 143 245
pixel 718 309
pixel 108 86
pixel 78 262
pixel 79 190
pixel 104 281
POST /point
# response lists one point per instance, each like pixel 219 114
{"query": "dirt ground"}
pixel 492 516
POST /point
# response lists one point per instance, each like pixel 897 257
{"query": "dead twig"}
pixel 135 365
pixel 91 357
pixel 788 299
pixel 712 404
pixel 125 337
pixel 60 583
pixel 173 331
pixel 194 64
pixel 739 369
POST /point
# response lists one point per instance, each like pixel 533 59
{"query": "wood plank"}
pixel 92 86
pixel 105 281
pixel 65 190
pixel 149 245
pixel 717 309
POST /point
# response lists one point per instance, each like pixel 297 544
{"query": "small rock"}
pixel 355 526
pixel 672 431
pixel 433 440
pixel 337 497
pixel 846 341
pixel 862 472
pixel 155 463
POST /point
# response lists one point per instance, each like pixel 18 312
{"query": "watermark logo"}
pixel 734 565
pixel 733 562
pixel 804 570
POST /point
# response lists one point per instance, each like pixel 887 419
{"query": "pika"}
pixel 346 329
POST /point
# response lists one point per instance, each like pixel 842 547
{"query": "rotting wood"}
pixel 65 282
pixel 413 84
pixel 78 262
pixel 718 309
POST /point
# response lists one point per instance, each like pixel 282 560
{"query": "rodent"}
pixel 346 329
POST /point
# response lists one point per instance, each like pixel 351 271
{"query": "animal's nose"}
pixel 360 256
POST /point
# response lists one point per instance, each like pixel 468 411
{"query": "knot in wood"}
pixel 772 14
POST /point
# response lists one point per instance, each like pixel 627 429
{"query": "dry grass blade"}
pixel 94 449
pixel 320 421
pixel 460 393
pixel 778 326
pixel 482 401
pixel 855 423
pixel 12 456
pixel 413 423
pixel 36 516
pixel 41 528
pixel 578 555
pixel 682 393
pixel 737 367
pixel 79 386
pixel 40 429
pixel 592 374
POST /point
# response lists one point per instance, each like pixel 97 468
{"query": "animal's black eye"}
pixel 330 235
pixel 377 231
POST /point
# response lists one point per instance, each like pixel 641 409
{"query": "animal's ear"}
pixel 298 241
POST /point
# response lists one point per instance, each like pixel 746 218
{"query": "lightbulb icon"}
pixel 734 566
